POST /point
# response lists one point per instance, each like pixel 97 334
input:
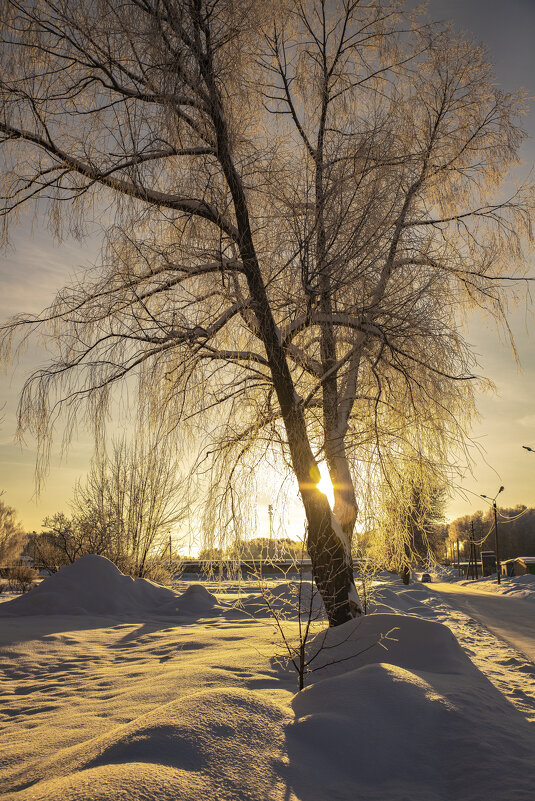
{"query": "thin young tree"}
pixel 12 536
pixel 305 199
pixel 130 502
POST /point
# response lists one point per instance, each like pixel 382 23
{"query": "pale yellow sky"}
pixel 36 267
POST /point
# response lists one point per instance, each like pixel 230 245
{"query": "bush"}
pixel 21 578
pixel 158 572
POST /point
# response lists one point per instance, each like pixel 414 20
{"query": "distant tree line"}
pixel 516 528
pixel 257 548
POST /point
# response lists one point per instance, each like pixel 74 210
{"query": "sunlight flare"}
pixel 325 484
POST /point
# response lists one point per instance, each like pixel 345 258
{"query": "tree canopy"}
pixel 300 203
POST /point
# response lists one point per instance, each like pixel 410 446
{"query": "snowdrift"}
pixel 285 599
pixel 393 709
pixel 409 642
pixel 408 717
pixel 209 745
pixel 522 587
pixel 416 721
pixel 93 585
pixel 389 600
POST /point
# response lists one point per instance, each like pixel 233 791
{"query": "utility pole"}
pixel 496 540
pixel 473 542
pixel 270 549
pixel 458 559
pixel 469 567
pixel 498 565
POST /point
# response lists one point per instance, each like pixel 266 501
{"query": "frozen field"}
pixel 117 689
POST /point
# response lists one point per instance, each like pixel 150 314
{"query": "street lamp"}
pixel 493 500
pixel 527 448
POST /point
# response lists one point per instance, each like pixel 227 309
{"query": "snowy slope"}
pixel 150 706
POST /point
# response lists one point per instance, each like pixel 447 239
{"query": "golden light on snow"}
pixel 325 484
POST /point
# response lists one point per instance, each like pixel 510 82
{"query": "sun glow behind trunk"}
pixel 325 484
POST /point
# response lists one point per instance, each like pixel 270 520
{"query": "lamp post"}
pixel 527 448
pixel 272 555
pixel 493 500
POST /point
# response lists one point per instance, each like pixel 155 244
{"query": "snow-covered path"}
pixel 510 619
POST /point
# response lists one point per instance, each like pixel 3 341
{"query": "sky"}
pixel 36 266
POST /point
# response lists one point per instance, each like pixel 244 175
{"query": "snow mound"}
pixel 358 723
pixel 383 732
pixel 522 587
pixel 206 745
pixel 195 601
pixel 389 600
pixel 90 586
pixel 407 642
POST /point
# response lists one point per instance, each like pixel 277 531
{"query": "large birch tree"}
pixel 299 202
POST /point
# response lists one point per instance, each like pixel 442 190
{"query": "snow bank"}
pixel 380 726
pixel 514 586
pixel 195 600
pixel 407 642
pixel 385 733
pixel 93 585
pixel 414 721
pixel 387 599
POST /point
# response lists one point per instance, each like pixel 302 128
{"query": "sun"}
pixel 325 484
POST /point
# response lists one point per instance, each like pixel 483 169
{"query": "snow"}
pixel 411 643
pixel 133 691
pixel 513 586
pixel 286 599
pixel 511 618
pixel 94 586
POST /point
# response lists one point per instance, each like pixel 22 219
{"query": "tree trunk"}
pixel 332 567
pixel 327 544
pixel 345 502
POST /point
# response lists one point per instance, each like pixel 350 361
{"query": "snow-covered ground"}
pixel 498 634
pixel 513 586
pixel 118 689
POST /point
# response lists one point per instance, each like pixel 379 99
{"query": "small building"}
pixel 488 563
pixel 524 565
pixel 508 567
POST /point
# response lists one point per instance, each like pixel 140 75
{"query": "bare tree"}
pixel 130 503
pixel 125 509
pixel 12 536
pixel 60 543
pixel 306 200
